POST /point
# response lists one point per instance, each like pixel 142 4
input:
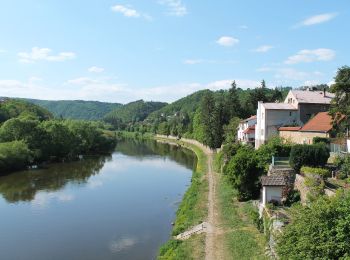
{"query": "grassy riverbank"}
pixel 242 238
pixel 192 211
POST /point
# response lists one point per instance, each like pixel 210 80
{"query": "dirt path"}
pixel 214 248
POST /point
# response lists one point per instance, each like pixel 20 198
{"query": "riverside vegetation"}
pixel 30 135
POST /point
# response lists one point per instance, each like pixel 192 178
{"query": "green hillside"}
pixel 132 112
pixel 76 109
pixel 11 108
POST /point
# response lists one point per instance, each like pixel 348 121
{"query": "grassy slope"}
pixel 242 240
pixel 192 211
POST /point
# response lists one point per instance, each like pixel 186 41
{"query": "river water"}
pixel 116 207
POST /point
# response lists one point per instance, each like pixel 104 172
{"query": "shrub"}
pixel 324 173
pixel 14 156
pixel 317 231
pixel 293 197
pixel 243 172
pixel 318 139
pixel 308 155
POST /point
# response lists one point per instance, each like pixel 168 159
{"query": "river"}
pixel 116 207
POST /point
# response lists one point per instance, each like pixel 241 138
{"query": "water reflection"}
pixel 24 185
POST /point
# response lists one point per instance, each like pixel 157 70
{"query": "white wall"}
pixel 272 193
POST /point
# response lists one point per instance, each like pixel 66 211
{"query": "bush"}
pixel 318 139
pixel 324 173
pixel 14 156
pixel 343 164
pixel 308 155
pixel 317 231
pixel 293 197
pixel 243 172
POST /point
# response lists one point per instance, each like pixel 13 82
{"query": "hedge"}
pixel 308 155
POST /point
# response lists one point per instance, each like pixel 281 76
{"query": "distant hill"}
pixel 11 108
pixel 188 104
pixel 76 109
pixel 133 112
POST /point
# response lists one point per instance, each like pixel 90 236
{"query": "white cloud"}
pixel 175 7
pixel 38 54
pixel 193 61
pixel 292 74
pixel 243 27
pixel 95 69
pixel 311 56
pixel 105 89
pixel 126 11
pixel 227 41
pixel 129 12
pixel 263 48
pixel 317 19
pixel 311 82
pixel 2 51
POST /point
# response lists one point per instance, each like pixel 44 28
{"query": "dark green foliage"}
pixel 14 156
pixel 276 146
pixel 293 197
pixel 343 165
pixel 12 108
pixel 341 89
pixel 318 231
pixel 131 113
pixel 308 155
pixel 76 109
pixel 318 139
pixel 243 172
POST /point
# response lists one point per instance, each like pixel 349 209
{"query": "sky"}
pixel 162 50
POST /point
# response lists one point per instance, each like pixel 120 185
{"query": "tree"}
pixel 243 172
pixel 233 105
pixel 259 94
pixel 208 113
pixel 230 130
pixel 14 156
pixel 318 231
pixel 341 88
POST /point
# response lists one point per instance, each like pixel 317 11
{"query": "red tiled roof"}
pixel 322 122
pixel 250 130
pixel 289 128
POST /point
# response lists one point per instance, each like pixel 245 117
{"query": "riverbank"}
pixel 233 234
pixel 192 211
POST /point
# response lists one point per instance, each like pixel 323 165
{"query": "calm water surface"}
pixel 117 207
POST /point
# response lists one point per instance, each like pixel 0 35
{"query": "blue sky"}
pixel 120 51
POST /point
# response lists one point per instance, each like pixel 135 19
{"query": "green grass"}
pixel 192 211
pixel 242 239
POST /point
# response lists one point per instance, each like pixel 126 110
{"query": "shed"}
pixel 272 188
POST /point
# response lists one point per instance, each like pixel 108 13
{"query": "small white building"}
pixel 246 130
pixel 272 189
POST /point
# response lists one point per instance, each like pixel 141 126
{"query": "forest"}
pixel 29 135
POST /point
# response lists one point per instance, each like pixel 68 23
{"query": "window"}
pixel 290 113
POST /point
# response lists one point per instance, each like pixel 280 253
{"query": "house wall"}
pixel 299 137
pixel 307 111
pixel 272 193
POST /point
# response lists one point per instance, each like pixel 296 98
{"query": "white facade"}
pixel 293 111
pixel 271 193
pixel 245 131
pixel 271 116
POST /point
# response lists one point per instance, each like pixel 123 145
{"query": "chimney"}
pixel 324 92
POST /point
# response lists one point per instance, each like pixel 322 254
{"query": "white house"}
pixel 246 130
pixel 272 189
pixel 298 107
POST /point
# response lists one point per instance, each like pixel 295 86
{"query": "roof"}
pixel 322 122
pixel 250 130
pixel 249 118
pixel 289 128
pixel 313 97
pixel 273 180
pixel 279 106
